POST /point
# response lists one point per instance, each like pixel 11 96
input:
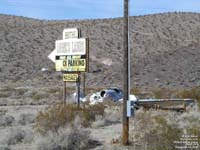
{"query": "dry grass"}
pixel 6 120
pixel 191 93
pixel 153 130
pixel 63 139
pixel 52 90
pixel 54 117
pixel 162 93
pixel 136 91
pixel 157 130
pixel 36 96
pixel 17 135
pixel 112 116
pixel 26 118
pixel 4 94
pixel 3 147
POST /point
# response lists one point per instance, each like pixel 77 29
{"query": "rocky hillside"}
pixel 165 50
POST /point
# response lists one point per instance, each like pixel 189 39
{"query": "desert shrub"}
pixel 54 90
pixel 6 120
pixel 60 115
pixel 17 135
pixel 135 91
pixel 26 119
pixel 109 102
pixel 20 91
pixel 157 130
pixel 39 95
pixel 63 139
pixel 8 87
pixel 3 112
pixel 98 123
pixel 4 94
pixel 6 91
pixel 189 121
pixel 193 93
pixel 113 114
pixel 89 113
pixel 4 147
pixel 162 136
pixel 4 102
pixel 162 93
pixel 9 120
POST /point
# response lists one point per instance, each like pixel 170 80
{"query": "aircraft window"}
pixel 116 90
pixel 102 93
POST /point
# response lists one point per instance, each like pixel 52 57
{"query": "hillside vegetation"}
pixel 165 50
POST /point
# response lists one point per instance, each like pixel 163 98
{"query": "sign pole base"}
pixel 78 91
pixel 64 92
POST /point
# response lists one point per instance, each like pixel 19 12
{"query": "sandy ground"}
pixel 107 134
pixel 104 135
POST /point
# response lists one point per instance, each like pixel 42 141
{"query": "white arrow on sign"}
pixel 52 55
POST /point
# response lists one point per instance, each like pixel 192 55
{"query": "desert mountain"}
pixel 165 50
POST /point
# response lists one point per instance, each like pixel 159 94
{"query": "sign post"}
pixel 64 92
pixel 78 91
pixel 83 82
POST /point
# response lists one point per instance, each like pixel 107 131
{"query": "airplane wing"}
pixel 165 103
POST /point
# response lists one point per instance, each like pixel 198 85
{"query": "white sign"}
pixel 71 53
pixel 52 56
pixel 70 33
pixel 71 47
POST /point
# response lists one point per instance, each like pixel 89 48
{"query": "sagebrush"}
pixel 54 117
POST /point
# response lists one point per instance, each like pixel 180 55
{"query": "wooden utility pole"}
pixel 126 73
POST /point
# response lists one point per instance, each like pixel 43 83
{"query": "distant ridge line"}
pixel 90 19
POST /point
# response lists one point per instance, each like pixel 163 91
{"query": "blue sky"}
pixel 87 9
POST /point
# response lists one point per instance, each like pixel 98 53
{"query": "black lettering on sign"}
pixel 70 63
pixel 69 77
pixel 64 63
pixel 76 62
pixel 69 57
